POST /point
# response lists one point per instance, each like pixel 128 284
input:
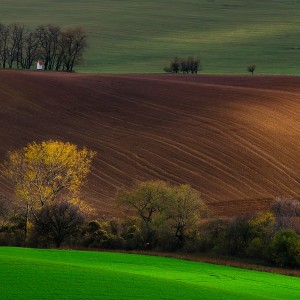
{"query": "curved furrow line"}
pixel 162 161
pixel 168 145
pixel 250 146
pixel 208 177
pixel 282 168
pixel 269 159
pixel 148 104
pixel 133 159
pixel 188 151
pixel 110 177
pixel 243 179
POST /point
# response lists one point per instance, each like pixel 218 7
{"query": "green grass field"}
pixel 52 274
pixel 127 36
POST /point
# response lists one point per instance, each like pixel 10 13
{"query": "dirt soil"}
pixel 236 139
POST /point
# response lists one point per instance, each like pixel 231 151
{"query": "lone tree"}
pixel 251 69
pixel 46 172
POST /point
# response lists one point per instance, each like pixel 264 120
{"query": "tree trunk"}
pixel 26 223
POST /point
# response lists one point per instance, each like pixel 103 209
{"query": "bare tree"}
pixel 4 40
pixel 194 64
pixel 48 37
pixel 285 211
pixel 175 64
pixel 60 50
pixel 29 50
pixel 184 65
pixel 75 44
pixel 60 59
pixel 16 43
pixel 251 68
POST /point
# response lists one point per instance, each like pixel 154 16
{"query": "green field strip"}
pixel 49 274
pixel 142 36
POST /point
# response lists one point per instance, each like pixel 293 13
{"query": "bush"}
pixel 212 237
pixel 257 249
pixel 238 237
pixel 285 248
pixel 131 233
pixel 56 223
pixel 262 230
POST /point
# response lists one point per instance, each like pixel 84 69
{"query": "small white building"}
pixel 40 65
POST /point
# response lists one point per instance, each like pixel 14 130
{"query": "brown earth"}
pixel 236 139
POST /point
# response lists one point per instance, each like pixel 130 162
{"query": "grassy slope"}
pixel 48 274
pixel 141 36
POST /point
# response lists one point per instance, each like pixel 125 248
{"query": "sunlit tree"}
pixel 45 172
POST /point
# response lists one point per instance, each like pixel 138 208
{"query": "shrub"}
pixel 212 237
pixel 57 222
pixel 238 236
pixel 285 248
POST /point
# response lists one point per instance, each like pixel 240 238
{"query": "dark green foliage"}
pixel 238 236
pixel 57 222
pixel 212 237
pixel 168 220
pixel 166 212
pixel 285 248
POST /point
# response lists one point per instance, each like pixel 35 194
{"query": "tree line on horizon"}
pixel 190 64
pixel 59 49
pixel 47 211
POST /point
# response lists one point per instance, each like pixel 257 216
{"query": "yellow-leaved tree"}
pixel 46 172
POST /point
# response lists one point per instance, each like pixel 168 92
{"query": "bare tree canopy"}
pixel 191 64
pixel 59 49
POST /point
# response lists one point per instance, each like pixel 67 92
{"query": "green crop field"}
pixel 54 274
pixel 127 36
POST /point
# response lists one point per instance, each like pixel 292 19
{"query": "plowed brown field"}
pixel 235 139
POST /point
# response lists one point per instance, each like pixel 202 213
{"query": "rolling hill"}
pixel 236 139
pixel 127 36
pixel 50 274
